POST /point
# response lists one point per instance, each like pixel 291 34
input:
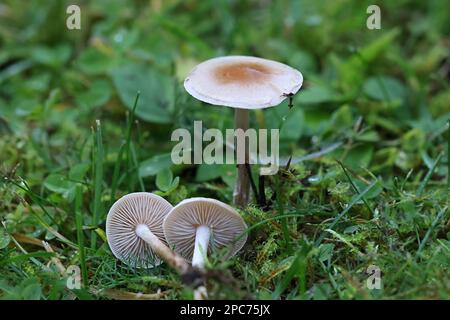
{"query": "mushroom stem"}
pixel 242 186
pixel 202 236
pixel 163 251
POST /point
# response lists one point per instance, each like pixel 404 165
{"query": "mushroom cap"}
pixel 225 224
pixel 243 82
pixel 124 216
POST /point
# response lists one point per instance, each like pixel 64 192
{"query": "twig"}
pixel 126 295
pixel 55 260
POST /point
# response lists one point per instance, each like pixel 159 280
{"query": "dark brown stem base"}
pixel 241 194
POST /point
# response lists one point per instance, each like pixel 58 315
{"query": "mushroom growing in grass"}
pixel 243 83
pixel 135 234
pixel 198 226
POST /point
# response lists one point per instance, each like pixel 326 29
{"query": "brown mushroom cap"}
pixel 124 216
pixel 243 82
pixel 225 224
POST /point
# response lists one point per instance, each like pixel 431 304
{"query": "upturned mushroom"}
pixel 135 234
pixel 198 226
pixel 242 83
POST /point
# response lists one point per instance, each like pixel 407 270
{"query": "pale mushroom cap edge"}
pixel 244 82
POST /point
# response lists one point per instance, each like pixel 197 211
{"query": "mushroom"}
pixel 243 83
pixel 135 234
pixel 197 226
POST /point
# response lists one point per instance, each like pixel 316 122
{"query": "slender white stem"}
pixel 202 236
pixel 163 251
pixel 145 234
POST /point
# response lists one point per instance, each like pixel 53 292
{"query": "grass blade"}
pixel 355 188
pixel 135 163
pixel 284 222
pixel 448 154
pixel 129 151
pixel 428 176
pixel 80 236
pixel 428 234
pixel 296 270
pixel 98 179
pixel 116 172
pixel 336 220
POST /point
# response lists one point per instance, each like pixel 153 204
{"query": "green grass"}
pixel 98 179
pixel 86 117
pixel 80 235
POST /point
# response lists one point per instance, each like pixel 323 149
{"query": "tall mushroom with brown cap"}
pixel 197 226
pixel 135 234
pixel 243 83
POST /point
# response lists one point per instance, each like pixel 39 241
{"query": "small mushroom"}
pixel 197 226
pixel 243 83
pixel 135 234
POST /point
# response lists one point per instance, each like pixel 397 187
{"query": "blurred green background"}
pixel 377 100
